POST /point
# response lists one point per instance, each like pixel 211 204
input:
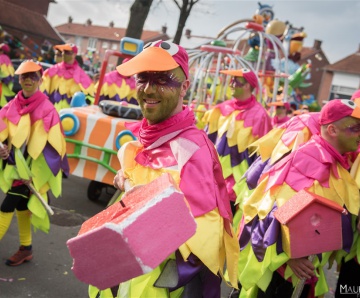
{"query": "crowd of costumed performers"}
pixel 316 152
pixel 61 81
pixel 6 75
pixel 33 159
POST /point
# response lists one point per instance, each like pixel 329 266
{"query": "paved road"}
pixel 49 273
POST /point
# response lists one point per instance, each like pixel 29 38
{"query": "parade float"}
pixel 269 47
pixel 94 133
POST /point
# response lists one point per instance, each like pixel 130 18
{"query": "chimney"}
pixel 164 29
pixel 188 33
pixel 88 22
pixel 317 44
pixel 70 19
pixel 111 25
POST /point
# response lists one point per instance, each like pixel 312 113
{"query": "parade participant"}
pixel 118 88
pixel 6 75
pixel 232 126
pixel 64 79
pixel 279 142
pixel 168 141
pixel 57 56
pixel 349 263
pixel 29 124
pixel 281 113
pixel 321 167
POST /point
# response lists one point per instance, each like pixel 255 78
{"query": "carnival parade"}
pixel 169 166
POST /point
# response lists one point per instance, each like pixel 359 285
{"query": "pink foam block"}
pixel 120 243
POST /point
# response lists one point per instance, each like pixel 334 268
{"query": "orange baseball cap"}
pixel 29 66
pixel 157 56
pixel 246 73
pixel 67 47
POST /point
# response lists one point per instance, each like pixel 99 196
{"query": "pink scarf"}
pixel 28 105
pixel 229 106
pixel 148 134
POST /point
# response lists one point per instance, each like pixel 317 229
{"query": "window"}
pixel 78 41
pixel 105 44
pixel 92 44
pixel 115 46
pixel 341 92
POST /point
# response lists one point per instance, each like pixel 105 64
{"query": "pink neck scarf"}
pixel 28 105
pixel 148 134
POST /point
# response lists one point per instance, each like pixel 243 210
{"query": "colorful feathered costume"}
pixel 33 126
pixel 317 167
pixel 232 126
pixel 62 81
pixel 176 146
pixel 6 80
pixel 117 87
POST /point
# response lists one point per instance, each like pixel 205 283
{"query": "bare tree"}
pixel 185 9
pixel 138 13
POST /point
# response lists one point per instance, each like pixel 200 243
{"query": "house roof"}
pixel 27 27
pixel 350 64
pixel 106 33
pixel 303 199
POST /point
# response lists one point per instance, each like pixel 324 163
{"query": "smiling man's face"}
pixel 160 93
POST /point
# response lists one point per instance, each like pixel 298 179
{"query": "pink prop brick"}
pixel 121 243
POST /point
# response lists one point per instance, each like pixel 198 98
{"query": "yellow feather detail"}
pixel 20 133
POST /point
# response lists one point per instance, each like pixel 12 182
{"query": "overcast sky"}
pixel 335 23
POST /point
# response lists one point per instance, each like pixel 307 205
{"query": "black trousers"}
pixel 16 198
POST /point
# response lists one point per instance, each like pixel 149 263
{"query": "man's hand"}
pixel 119 180
pixel 302 268
pixel 4 151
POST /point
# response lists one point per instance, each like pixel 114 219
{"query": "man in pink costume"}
pixel 29 123
pixel 64 79
pixel 349 262
pixel 168 141
pixel 321 167
pixel 6 75
pixel 232 126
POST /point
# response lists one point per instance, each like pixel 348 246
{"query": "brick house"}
pixel 93 40
pixel 342 78
pixel 25 28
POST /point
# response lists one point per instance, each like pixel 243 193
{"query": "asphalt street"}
pixel 49 274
